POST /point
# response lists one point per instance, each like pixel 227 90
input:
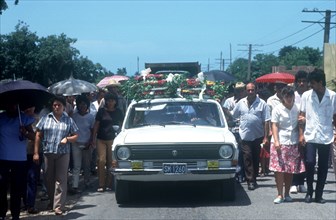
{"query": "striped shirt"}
pixel 54 131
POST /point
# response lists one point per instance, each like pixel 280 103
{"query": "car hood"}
pixel 175 134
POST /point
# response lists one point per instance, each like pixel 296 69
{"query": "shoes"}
pixel 32 210
pixel 320 200
pixel 302 189
pixel 288 199
pixel 308 198
pixel 108 189
pixel 58 211
pixel 251 186
pixel 100 189
pixel 293 190
pixel 278 200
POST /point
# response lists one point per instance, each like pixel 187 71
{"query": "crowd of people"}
pixel 286 133
pixel 282 133
pixel 73 135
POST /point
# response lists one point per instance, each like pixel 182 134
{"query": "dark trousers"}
pixel 299 178
pixel 13 174
pixel 33 171
pixel 322 172
pixel 241 172
pixel 251 156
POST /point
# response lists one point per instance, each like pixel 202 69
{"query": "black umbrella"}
pixel 23 92
pixel 218 75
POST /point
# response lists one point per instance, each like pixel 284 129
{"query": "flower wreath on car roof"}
pixel 150 86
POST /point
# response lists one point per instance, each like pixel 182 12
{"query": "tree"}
pixel 262 64
pixel 238 68
pixel 44 60
pixel 4 6
pixel 122 71
pixel 18 53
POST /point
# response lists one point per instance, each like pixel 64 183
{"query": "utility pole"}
pixel 222 62
pixel 326 22
pixel 249 58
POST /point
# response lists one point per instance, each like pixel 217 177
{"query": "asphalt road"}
pixel 199 201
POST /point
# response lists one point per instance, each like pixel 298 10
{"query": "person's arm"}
pixel 94 133
pixel 275 132
pixel 70 139
pixel 302 123
pixel 38 138
pixel 266 132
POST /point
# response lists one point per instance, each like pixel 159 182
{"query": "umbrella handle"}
pixel 19 115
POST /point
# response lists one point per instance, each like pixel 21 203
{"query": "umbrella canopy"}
pixel 23 92
pixel 111 79
pixel 72 86
pixel 276 77
pixel 218 75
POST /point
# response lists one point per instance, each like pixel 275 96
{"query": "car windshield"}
pixel 174 113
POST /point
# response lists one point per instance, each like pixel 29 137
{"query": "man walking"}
pixel 317 114
pixel 254 117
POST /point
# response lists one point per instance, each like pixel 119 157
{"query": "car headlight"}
pixel 123 153
pixel 226 151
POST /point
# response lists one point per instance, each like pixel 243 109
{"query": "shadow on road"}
pixel 183 195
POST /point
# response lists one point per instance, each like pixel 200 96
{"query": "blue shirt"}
pixel 252 119
pixel 11 147
pixel 54 131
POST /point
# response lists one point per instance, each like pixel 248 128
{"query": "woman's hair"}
pixel 60 99
pixel 83 98
pixel 111 96
pixel 287 91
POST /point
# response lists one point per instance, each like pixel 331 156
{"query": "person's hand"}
pixel 64 140
pixel 302 141
pixel 302 120
pixel 36 158
pixel 277 146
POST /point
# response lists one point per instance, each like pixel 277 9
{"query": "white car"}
pixel 174 139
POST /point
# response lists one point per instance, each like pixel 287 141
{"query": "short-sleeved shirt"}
pixel 106 121
pixel 287 120
pixel 230 103
pixel 11 147
pixel 273 101
pixel 54 131
pixel 252 119
pixel 85 124
pixel 319 116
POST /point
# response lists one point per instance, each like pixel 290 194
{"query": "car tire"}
pixel 122 193
pixel 228 189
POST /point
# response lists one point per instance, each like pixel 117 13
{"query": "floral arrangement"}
pixel 149 86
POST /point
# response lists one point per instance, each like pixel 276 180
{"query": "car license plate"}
pixel 174 168
pixel 213 164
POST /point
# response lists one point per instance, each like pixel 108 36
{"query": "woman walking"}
pixel 285 159
pixel 104 133
pixel 56 131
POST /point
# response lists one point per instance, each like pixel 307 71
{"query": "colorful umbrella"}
pixel 111 79
pixel 276 77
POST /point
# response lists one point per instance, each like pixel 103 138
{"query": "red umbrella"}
pixel 276 77
pixel 111 79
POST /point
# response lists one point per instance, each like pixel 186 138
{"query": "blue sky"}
pixel 115 33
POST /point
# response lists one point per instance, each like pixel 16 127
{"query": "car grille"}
pixel 174 152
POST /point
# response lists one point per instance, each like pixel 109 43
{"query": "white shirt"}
pixel 319 116
pixel 229 104
pixel 273 101
pixel 287 120
pixel 252 119
pixel 297 101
